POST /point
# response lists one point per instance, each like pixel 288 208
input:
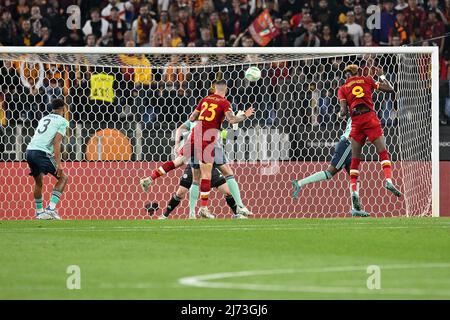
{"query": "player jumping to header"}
pixel 341 159
pixel 44 156
pixel 210 113
pixel 356 94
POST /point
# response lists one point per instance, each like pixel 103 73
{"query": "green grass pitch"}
pixel 227 259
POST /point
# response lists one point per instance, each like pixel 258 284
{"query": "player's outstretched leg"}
pixel 56 196
pixel 234 189
pixel 161 171
pixel 386 165
pixel 297 185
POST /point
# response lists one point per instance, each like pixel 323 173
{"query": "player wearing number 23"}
pixel 210 113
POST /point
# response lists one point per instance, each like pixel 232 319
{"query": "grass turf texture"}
pixel 145 259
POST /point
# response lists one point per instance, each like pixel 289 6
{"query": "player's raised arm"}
pixel 233 119
pixel 384 85
pixel 194 116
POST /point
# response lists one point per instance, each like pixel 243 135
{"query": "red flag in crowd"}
pixel 262 29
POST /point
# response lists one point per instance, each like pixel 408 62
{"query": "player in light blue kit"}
pixel 44 156
pixel 342 158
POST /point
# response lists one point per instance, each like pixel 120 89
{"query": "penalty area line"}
pixel 206 281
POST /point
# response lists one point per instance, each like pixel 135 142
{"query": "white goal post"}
pixel 125 104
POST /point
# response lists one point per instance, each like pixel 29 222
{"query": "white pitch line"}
pixel 204 281
pixel 215 228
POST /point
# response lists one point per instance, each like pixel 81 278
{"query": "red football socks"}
pixel 354 173
pixel 164 169
pixel 205 188
pixel 385 164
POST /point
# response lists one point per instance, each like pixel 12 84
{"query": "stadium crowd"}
pixel 162 23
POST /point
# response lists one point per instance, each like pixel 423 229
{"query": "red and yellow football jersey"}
pixel 358 90
pixel 212 113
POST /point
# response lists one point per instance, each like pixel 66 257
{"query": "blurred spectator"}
pixel 97 25
pixel 143 26
pixel 22 11
pixel 74 39
pixel 400 29
pixel 343 38
pixel 26 36
pixel 37 21
pixel 45 34
pixel 161 36
pixel 297 19
pixel 91 40
pixel 387 23
pixel 247 41
pixel 355 31
pixel 227 27
pixel 415 16
pixel 175 39
pixel 396 41
pixel 239 19
pixel 207 7
pixel 216 26
pixel 120 6
pixel 187 27
pixel 8 29
pixel 342 10
pixel 323 14
pixel 309 38
pixel 285 38
pixel 206 40
pixel 368 40
pixel 433 5
pixel 326 38
pixel 434 28
pixel 360 16
pixel 57 22
pixel 117 27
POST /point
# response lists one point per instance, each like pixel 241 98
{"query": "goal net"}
pixel 126 103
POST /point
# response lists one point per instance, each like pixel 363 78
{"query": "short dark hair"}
pixel 57 104
pixel 221 82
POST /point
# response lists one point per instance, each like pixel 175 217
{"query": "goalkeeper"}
pixel 217 181
pixel 342 158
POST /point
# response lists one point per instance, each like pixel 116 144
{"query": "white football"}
pixel 253 74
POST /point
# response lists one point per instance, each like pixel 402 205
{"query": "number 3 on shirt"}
pixel 358 92
pixel 211 108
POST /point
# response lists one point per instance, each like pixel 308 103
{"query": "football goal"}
pixel 125 104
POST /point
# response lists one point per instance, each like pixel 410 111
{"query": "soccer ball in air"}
pixel 253 74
